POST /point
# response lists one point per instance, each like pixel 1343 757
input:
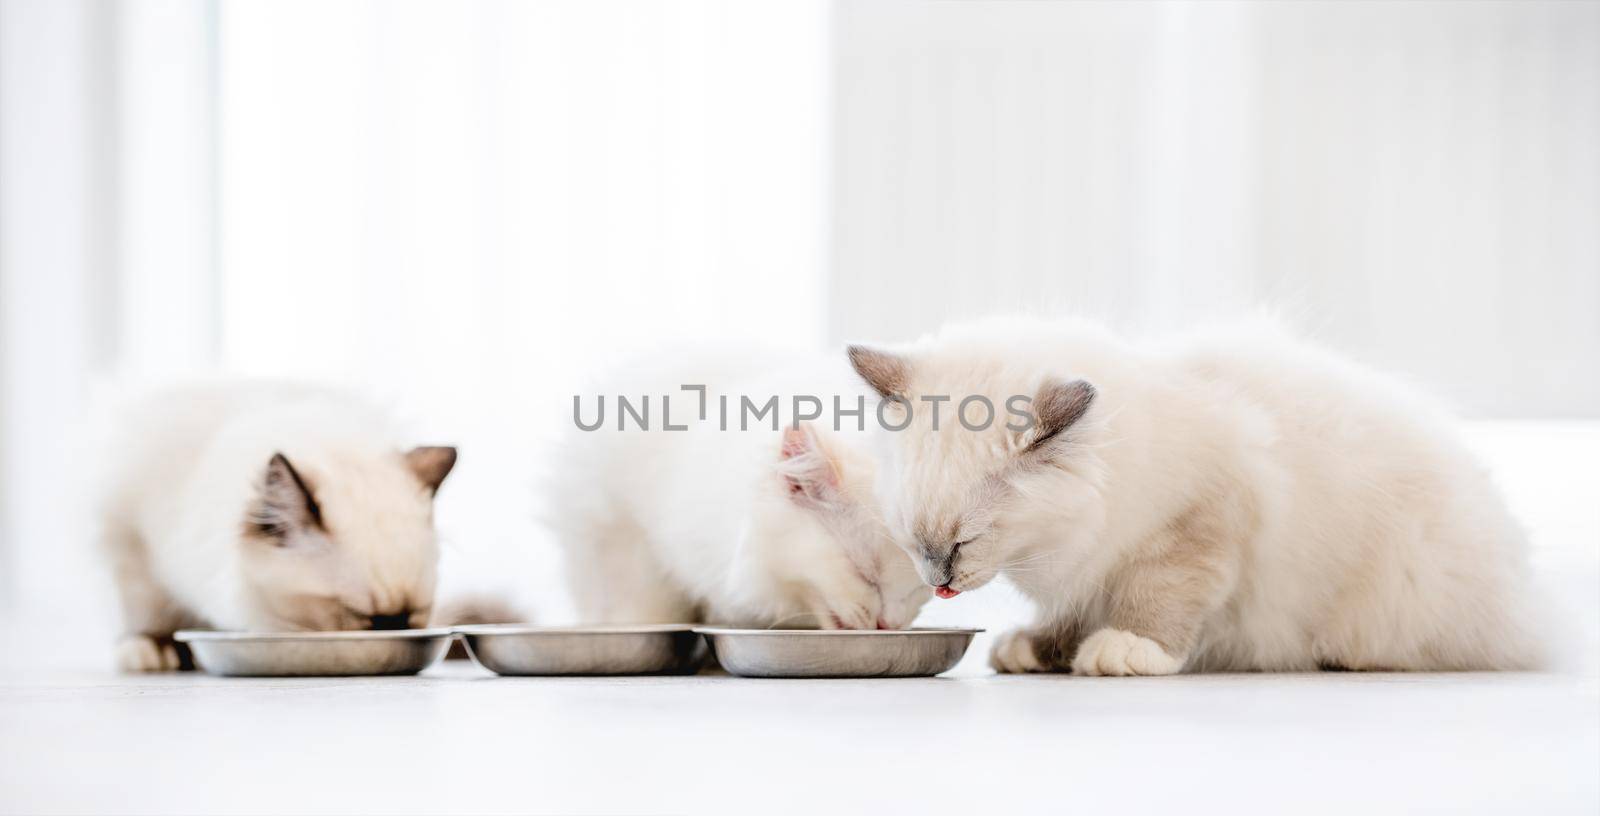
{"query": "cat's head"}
pixel 819 553
pixel 343 541
pixel 964 494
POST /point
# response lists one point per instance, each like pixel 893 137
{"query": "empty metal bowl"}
pixel 518 649
pixel 315 654
pixel 837 652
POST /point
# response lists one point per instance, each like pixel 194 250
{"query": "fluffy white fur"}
pixel 1236 501
pixel 204 527
pixel 756 528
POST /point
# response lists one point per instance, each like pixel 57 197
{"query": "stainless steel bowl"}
pixel 518 649
pixel 316 654
pixel 837 652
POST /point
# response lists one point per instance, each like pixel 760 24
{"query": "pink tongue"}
pixel 946 592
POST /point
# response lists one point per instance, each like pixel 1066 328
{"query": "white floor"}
pixel 458 740
pixel 75 738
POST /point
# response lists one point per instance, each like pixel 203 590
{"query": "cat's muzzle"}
pixel 399 620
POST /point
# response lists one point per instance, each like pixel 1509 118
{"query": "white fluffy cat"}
pixel 1237 502
pixel 266 507
pixel 756 527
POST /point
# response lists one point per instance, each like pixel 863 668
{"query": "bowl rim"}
pixel 912 632
pixel 494 629
pixel 233 636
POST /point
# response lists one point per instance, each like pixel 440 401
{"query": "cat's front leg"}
pixel 614 576
pixel 149 614
pixel 1159 600
pixel 143 653
pixel 1121 653
pixel 1043 648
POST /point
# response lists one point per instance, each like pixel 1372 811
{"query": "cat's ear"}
pixel 1056 407
pixel 807 469
pixel 431 464
pixel 284 503
pixel 886 373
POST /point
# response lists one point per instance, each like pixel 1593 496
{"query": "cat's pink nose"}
pixel 946 592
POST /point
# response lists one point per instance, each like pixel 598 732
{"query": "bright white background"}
pixel 466 209
pixel 1414 183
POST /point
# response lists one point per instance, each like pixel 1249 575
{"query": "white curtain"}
pixel 1417 183
pixel 55 184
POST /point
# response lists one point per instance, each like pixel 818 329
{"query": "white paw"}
pixel 1013 653
pixel 137 653
pixel 1117 653
pixel 845 616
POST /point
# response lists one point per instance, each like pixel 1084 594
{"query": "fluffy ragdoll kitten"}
pixel 1239 502
pixel 265 507
pixel 758 527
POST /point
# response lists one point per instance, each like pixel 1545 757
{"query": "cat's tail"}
pixel 467 610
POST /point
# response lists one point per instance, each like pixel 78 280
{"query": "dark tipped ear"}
pixel 1057 407
pixel 431 464
pixel 885 372
pixel 285 502
pixel 807 468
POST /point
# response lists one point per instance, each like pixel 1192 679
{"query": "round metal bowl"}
pixel 837 652
pixel 522 650
pixel 315 654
